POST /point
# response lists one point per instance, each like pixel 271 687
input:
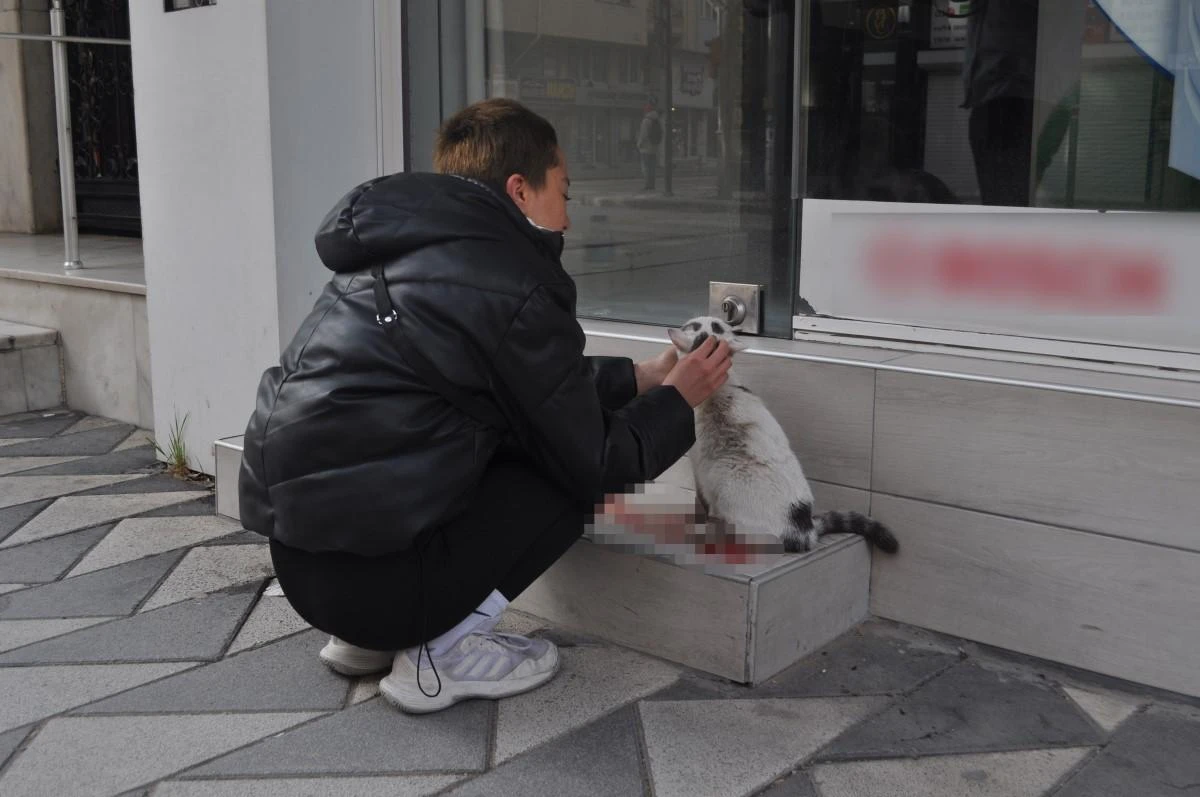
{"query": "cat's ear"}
pixel 678 339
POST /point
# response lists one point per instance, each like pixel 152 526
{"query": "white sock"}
pixel 486 616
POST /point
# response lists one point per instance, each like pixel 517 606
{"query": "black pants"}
pixel 1001 132
pixel 517 525
pixel 649 168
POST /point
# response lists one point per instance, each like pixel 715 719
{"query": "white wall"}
pixel 204 146
pixel 253 118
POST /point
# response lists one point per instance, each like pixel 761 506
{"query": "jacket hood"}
pixel 388 217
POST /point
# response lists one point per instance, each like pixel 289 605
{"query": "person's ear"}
pixel 517 188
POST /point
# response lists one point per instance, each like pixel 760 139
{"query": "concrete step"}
pixel 744 622
pixel 228 455
pixel 31 368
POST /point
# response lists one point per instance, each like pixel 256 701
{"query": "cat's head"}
pixel 696 331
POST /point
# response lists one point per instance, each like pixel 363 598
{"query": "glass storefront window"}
pixel 781 124
pixel 1017 103
pixel 999 112
pixel 656 217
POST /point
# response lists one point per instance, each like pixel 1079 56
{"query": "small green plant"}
pixel 176 451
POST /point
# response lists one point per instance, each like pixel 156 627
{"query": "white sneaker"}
pixel 352 660
pixel 486 665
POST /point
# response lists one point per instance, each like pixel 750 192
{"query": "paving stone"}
pixel 367 739
pixel 134 538
pixel 12 441
pixel 688 742
pixel 365 688
pixel 271 619
pixel 11 740
pixel 23 489
pixel 14 517
pixel 797 784
pixel 402 786
pixel 195 630
pixel 89 423
pixel 284 676
pixel 18 633
pixel 242 537
pixel 155 483
pixel 599 759
pixel 48 559
pixel 38 424
pixel 117 590
pixel 12 587
pixel 567 639
pixel 1151 754
pixel 514 622
pixel 859 663
pixel 1108 709
pixel 1017 774
pixel 10 465
pixel 84 756
pixel 133 460
pixel 210 568
pixel 207 505
pixel 79 512
pixel 590 683
pixel 97 441
pixel 139 437
pixel 30 694
pixel 968 710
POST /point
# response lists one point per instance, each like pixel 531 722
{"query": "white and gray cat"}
pixel 746 472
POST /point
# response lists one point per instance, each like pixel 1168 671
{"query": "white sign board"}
pixel 1119 278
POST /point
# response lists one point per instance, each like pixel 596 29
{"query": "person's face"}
pixel 545 206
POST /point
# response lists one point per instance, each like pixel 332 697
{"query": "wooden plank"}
pixel 825 410
pixel 1121 467
pixel 678 614
pixel 802 609
pixel 1113 606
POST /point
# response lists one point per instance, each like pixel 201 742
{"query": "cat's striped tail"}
pixel 806 528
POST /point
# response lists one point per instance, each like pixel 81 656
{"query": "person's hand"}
pixel 702 372
pixel 651 373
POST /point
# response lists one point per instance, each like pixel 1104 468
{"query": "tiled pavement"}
pixel 142 652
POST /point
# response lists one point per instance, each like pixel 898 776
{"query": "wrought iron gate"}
pixel 102 130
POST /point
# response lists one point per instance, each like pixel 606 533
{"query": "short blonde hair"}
pixel 494 139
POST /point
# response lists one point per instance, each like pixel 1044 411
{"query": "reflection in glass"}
pixel 675 116
pixel 996 102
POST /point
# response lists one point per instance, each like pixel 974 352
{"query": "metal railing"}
pixel 62 105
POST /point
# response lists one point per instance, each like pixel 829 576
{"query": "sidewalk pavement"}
pixel 143 651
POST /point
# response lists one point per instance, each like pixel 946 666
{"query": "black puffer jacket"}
pixel 349 450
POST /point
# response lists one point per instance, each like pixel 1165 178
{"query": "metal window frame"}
pixel 62 106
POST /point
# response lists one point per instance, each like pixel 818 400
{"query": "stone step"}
pixel 745 622
pixel 228 455
pixel 31 368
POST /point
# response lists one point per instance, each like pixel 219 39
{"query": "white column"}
pixel 253 118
